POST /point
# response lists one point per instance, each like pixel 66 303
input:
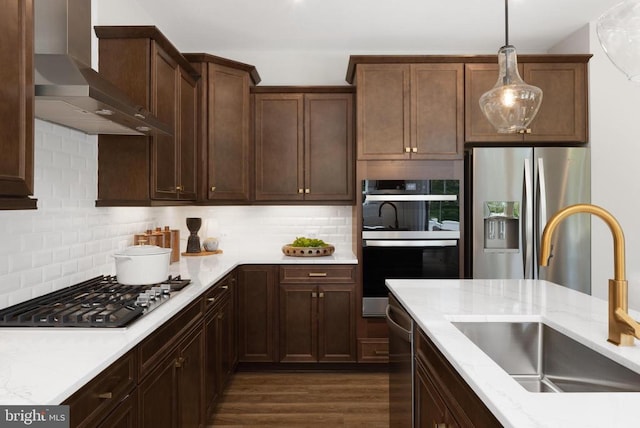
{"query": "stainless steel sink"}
pixel 542 359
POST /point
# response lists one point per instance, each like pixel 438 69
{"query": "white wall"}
pixel 614 111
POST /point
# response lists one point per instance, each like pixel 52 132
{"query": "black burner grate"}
pixel 98 302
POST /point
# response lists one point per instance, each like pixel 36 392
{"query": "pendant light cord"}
pixel 506 22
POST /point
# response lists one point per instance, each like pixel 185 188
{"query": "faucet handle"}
pixel 633 326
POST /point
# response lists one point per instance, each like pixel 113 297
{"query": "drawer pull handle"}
pixel 180 362
pixel 378 352
pixel 211 299
pixel 317 274
pixel 105 395
pixel 225 287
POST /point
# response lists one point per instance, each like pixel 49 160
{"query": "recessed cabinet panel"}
pixel 383 111
pixel 279 147
pixel 16 107
pixel 328 147
pixel 437 126
pixel 228 142
pixel 188 132
pixel 562 115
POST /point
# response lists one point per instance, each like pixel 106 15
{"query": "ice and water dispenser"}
pixel 502 226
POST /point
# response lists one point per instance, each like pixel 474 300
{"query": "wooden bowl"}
pixel 289 250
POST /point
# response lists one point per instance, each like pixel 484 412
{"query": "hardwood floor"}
pixel 316 399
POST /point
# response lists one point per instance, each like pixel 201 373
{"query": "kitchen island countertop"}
pixel 435 304
pixel 41 366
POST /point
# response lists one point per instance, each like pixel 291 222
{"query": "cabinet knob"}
pixel 213 188
pixel 314 294
pixel 307 190
pixel 180 362
pixel 300 191
pixel 414 150
pixel 407 149
pixel 105 395
pixel 525 131
pixel 179 188
pixel 321 295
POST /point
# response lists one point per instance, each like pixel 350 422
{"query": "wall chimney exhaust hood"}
pixel 67 90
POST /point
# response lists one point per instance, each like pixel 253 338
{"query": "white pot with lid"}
pixel 142 265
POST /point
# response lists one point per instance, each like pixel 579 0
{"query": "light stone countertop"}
pixel 434 304
pixel 40 366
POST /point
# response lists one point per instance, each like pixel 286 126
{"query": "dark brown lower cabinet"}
pixel 257 313
pixel 316 323
pixel 170 396
pixel 317 313
pixel 441 397
pixel 221 349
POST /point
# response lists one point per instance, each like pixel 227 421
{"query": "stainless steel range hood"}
pixel 68 91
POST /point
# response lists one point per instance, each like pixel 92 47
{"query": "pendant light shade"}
pixel 618 30
pixel 511 104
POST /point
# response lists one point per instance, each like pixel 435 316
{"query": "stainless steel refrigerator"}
pixel 512 193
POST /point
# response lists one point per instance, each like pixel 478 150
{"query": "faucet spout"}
pixel 622 328
pixel 395 210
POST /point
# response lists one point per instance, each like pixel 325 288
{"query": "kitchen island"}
pixel 43 365
pixel 436 304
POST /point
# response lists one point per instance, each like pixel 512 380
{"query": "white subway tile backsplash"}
pixel 69 240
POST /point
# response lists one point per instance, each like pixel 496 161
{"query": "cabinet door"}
pixel 187 138
pixel 336 321
pixel 16 108
pixel 298 323
pixel 437 112
pixel 189 381
pixel 227 332
pixel 328 140
pixel 257 314
pixel 383 104
pixel 279 147
pixel 164 106
pixel 157 397
pixel 228 145
pixel 212 355
pixel 479 78
pixel 430 411
pixel 563 114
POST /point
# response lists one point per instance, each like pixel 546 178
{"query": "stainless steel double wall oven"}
pixel 410 229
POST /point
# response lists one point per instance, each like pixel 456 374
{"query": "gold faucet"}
pixel 622 328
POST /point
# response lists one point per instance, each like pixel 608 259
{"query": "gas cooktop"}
pixel 98 302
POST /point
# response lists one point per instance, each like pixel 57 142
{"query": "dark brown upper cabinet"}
pixel 563 115
pixel 17 106
pixel 410 111
pixel 159 170
pixel 304 144
pixel 224 128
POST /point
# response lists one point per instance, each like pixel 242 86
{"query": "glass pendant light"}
pixel 511 104
pixel 618 30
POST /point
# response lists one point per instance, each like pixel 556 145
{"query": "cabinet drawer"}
pixel 154 348
pixel 102 394
pixel 318 274
pixel 373 350
pixel 220 290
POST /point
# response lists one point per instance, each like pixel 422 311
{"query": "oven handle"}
pixel 411 243
pixel 406 335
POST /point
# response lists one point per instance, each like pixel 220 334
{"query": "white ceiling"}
pixel 369 26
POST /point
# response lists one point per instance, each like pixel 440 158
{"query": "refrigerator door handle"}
pixel 541 221
pixel 527 221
